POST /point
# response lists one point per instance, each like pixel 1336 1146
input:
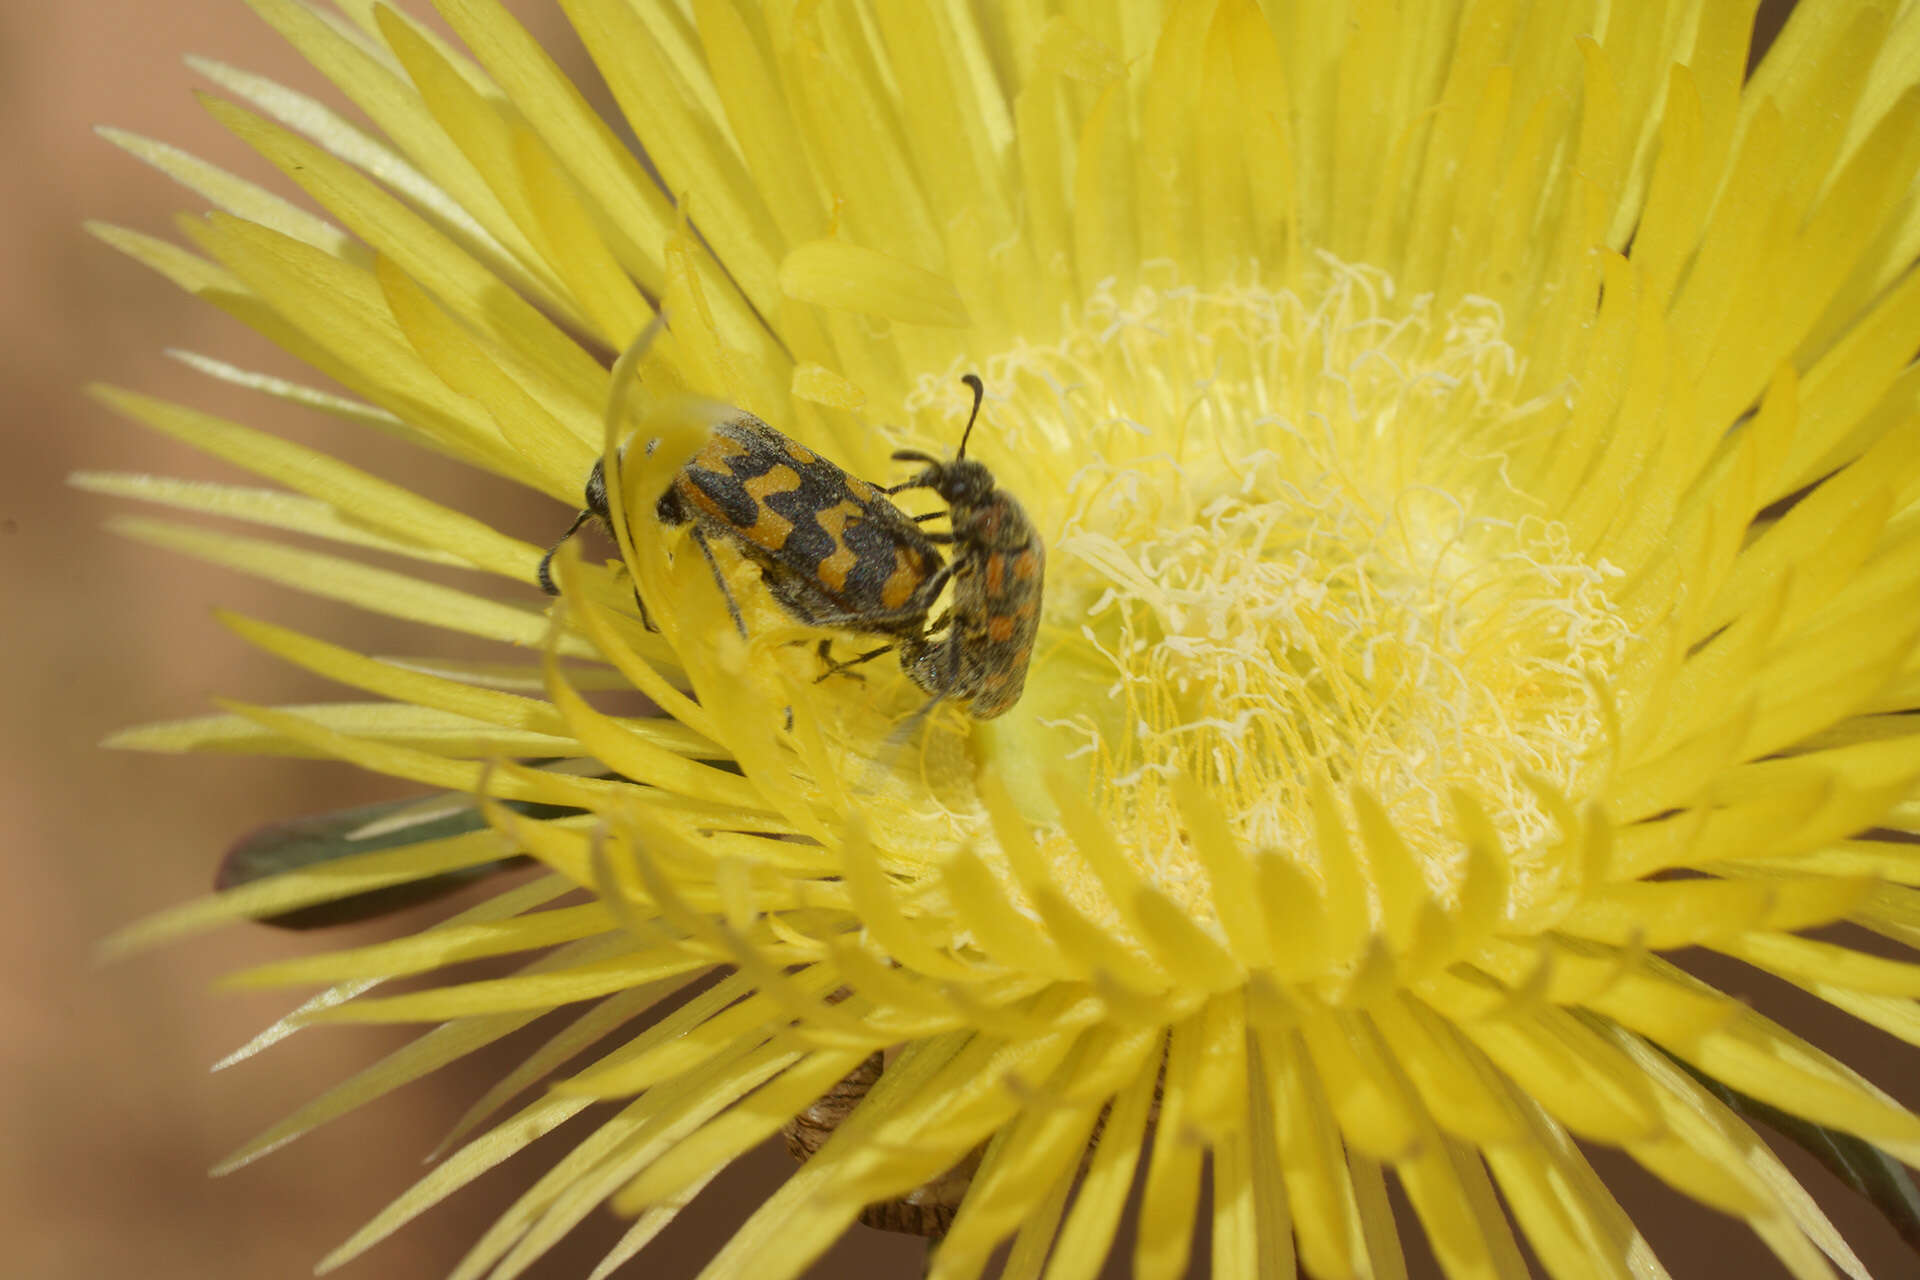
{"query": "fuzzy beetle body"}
pixel 831 548
pixel 998 571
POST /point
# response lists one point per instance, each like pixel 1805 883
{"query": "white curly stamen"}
pixel 1286 538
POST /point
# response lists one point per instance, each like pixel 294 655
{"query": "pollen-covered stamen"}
pixel 1292 552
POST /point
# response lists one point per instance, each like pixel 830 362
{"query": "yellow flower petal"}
pixel 1474 461
pixel 846 277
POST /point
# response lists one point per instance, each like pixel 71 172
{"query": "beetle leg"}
pixel 937 582
pixel 838 668
pixel 597 508
pixel 720 580
pixel 544 573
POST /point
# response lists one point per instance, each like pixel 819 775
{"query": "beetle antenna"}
pixel 972 380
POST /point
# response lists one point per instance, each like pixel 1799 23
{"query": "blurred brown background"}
pixel 108 1118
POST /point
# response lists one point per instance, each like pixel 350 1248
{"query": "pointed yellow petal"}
pixel 379 590
pixel 830 273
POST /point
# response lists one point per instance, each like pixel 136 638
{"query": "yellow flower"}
pixel 1477 450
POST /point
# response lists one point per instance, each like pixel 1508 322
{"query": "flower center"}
pixel 1284 547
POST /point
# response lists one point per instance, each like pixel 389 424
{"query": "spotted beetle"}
pixel 998 571
pixel 832 550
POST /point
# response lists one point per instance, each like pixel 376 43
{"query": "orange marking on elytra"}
pixel 775 480
pixel 1000 628
pixel 769 528
pixel 903 581
pixel 833 569
pixel 769 531
pixel 837 517
pixel 718 449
